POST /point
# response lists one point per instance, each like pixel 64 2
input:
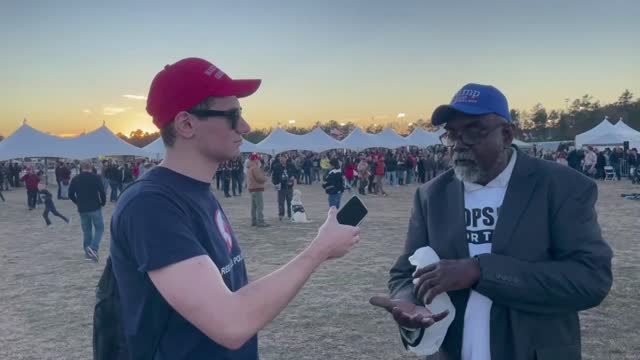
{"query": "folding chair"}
pixel 609 173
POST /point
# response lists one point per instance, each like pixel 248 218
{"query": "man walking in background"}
pixel 87 192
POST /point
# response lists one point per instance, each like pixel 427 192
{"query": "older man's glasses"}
pixel 468 137
pixel 233 115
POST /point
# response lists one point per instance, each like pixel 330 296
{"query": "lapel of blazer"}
pixel 516 199
pixel 454 225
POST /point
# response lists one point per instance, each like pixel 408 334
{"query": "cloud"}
pixel 86 111
pixel 113 110
pixel 135 97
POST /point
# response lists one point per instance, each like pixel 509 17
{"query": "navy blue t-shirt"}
pixel 163 219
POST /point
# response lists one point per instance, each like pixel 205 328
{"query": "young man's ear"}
pixel 183 125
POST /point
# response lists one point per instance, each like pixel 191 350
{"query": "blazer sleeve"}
pixel 577 278
pixel 401 274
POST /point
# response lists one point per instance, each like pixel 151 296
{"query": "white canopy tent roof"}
pixel 29 142
pixel 156 148
pixel 626 128
pixel 390 139
pixel 318 141
pixel 597 131
pixel 359 140
pixel 101 142
pixel 614 137
pixel 422 138
pixel 280 141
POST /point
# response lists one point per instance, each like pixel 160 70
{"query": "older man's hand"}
pixel 407 314
pixel 445 275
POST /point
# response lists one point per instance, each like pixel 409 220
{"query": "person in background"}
pixel 58 172
pixel 350 173
pixel 283 176
pixel 316 168
pixel 371 186
pixel 65 177
pixel 31 181
pixel 334 184
pixel 127 176
pixel 135 170
pixel 325 166
pixel 307 168
pixel 634 162
pixel 255 185
pixel 380 172
pixel 226 178
pixel 590 159
pixel 49 206
pixel 236 176
pixel 363 175
pixel 87 192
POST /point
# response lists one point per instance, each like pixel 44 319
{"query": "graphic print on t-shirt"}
pixel 224 229
pixel 480 223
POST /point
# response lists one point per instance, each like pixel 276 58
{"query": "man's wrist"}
pixel 314 254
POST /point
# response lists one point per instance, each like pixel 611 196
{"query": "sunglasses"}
pixel 232 115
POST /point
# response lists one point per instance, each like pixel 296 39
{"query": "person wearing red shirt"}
pixel 31 181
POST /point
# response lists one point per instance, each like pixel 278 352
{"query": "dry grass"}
pixel 47 287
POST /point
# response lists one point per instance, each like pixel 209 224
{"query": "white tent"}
pixel 101 142
pixel 597 131
pixel 248 147
pixel 614 137
pixel 422 138
pixel 29 142
pixel 280 141
pixel 156 148
pixel 626 128
pixel 318 141
pixel 359 140
pixel 389 139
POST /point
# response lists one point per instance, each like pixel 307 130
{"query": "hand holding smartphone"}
pixel 353 212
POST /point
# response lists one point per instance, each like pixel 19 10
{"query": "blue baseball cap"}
pixel 473 99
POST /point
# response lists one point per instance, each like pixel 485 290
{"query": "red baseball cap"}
pixel 181 86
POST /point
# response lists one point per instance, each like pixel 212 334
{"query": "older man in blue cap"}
pixel 519 241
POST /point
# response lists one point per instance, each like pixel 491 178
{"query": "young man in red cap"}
pixel 181 274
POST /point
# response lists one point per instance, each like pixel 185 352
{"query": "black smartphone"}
pixel 353 212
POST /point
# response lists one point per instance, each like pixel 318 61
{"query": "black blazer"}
pixel 548 259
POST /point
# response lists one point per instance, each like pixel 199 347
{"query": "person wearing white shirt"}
pixel 520 247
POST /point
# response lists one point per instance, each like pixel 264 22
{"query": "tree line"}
pixel 535 124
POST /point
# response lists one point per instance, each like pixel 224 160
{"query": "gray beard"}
pixel 473 174
pixel 468 173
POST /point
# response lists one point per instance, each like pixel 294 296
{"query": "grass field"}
pixel 47 287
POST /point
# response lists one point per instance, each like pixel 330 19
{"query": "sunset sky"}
pixel 67 66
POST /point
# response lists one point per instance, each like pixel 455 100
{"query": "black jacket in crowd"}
pixel 87 192
pixel 282 175
pixel 333 183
